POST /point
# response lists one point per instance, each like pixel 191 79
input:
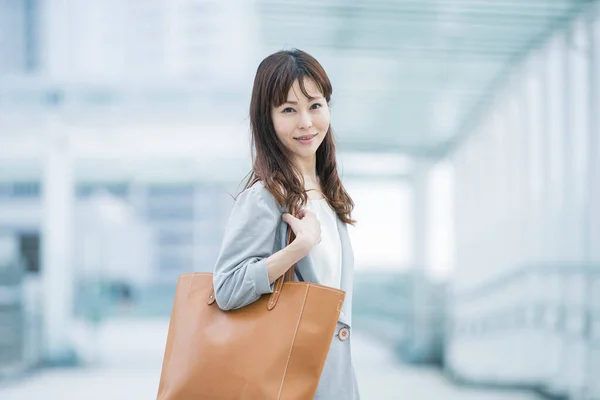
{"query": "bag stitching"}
pixel 317 285
pixel 287 283
pixel 292 346
pixel 187 295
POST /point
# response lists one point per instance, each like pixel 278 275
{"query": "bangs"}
pixel 289 73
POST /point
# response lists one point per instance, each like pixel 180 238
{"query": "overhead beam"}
pixel 475 116
pixel 433 15
pixel 369 145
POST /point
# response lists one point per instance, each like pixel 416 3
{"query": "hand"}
pixel 306 227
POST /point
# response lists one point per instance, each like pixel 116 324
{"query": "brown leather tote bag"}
pixel 274 348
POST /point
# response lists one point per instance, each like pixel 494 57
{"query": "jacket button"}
pixel 343 334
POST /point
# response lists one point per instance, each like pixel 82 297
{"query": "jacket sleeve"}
pixel 240 274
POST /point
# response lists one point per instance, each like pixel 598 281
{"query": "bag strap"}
pixel 287 276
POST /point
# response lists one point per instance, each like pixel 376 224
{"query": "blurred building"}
pixel 526 305
pixel 19 36
pixel 137 41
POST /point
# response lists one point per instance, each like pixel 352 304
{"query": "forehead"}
pixel 310 88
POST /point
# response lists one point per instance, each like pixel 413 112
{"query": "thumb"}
pixel 288 218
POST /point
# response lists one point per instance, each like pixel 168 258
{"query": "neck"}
pixel 308 169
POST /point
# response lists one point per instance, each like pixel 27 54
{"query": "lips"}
pixel 306 137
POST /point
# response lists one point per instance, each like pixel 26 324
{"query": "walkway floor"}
pixel 129 365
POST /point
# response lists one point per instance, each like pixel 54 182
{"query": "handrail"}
pixel 498 282
pixel 571 319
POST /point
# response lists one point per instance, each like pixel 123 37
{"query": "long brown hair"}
pixel 271 162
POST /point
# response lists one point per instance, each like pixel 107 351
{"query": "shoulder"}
pixel 259 195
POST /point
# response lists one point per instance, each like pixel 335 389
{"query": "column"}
pixel 422 333
pixel 57 273
pixel 593 175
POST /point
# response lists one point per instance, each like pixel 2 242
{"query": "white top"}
pixel 327 255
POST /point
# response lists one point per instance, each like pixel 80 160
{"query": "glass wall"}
pixel 526 303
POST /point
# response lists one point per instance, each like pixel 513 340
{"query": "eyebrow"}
pixel 311 99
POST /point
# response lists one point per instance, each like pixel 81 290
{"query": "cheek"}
pixel 322 121
pixel 278 126
pixel 283 131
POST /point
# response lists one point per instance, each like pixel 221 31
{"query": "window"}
pixel 382 238
pixel 20 190
pixel 120 190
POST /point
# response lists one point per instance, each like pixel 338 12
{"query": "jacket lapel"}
pixel 347 281
pixel 306 269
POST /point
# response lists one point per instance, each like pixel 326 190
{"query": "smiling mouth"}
pixel 307 137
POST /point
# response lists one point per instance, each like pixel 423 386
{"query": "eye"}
pixel 316 106
pixel 287 110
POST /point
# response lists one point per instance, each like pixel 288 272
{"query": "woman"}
pixel 294 166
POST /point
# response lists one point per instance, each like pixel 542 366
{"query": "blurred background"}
pixel 468 135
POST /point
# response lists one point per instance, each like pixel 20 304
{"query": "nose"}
pixel 305 121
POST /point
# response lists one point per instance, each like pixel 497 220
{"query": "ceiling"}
pixel 409 75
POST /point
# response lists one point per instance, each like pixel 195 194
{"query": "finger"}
pixel 306 212
pixel 288 218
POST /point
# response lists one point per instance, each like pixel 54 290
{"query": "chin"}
pixel 306 153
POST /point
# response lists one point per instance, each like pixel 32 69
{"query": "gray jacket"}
pixel 254 231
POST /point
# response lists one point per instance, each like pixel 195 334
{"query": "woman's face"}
pixel 301 123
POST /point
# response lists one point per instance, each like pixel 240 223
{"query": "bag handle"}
pixel 287 276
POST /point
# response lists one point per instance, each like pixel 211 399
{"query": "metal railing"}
pixel 406 311
pixel 559 304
